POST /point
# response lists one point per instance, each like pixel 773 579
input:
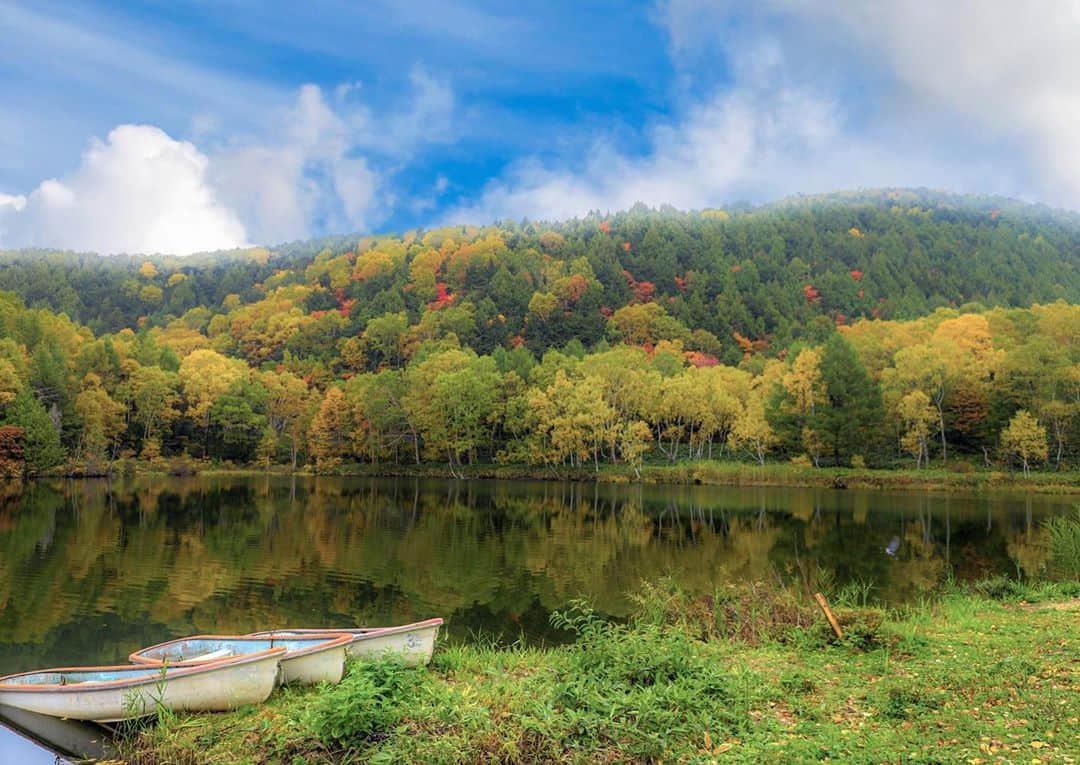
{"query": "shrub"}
pixel 638 689
pixel 753 612
pixel 371 700
pixel 182 466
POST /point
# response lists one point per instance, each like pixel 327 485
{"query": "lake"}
pixel 91 570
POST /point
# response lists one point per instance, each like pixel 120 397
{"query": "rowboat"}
pixel 413 643
pixel 110 694
pixel 308 659
pixel 64 738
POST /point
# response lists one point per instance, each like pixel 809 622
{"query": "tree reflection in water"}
pixel 90 570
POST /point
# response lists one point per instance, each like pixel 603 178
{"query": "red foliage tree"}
pixel 643 291
pixel 699 359
pixel 443 298
pixel 12 456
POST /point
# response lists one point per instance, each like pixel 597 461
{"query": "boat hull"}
pixel 309 659
pixel 213 687
pixel 413 643
pixel 326 666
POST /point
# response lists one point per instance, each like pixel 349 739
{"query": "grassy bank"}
pixel 750 675
pixel 959 477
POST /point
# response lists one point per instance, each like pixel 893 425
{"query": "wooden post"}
pixel 829 615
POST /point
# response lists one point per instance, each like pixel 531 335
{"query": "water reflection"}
pixel 91 570
pixel 15 747
pixel 27 737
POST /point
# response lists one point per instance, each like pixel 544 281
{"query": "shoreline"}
pixel 750 675
pixel 703 473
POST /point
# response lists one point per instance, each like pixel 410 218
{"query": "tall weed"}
pixel 1064 543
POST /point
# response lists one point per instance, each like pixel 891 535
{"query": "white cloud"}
pixel 1006 69
pixel 819 95
pixel 325 165
pixel 999 79
pixel 758 140
pixel 317 171
pixel 13 203
pixel 299 178
pixel 137 191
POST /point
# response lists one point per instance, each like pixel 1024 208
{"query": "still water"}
pixel 91 570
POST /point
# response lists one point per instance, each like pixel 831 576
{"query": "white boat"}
pixel 308 659
pixel 110 694
pixel 414 643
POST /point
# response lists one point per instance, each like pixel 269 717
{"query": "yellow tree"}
pixel 635 438
pixel 289 407
pixel 805 391
pixel 102 418
pixel 751 430
pixel 206 376
pixel 803 383
pixel 917 417
pixel 152 393
pixel 952 367
pixel 10 384
pixel 328 436
pixel 571 421
pixel 1025 438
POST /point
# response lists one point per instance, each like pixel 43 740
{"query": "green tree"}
pixel 239 419
pixel 450 400
pixel 41 437
pixel 848 419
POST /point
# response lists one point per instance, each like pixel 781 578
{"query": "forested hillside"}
pixel 881 326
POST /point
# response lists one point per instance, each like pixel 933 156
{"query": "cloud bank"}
pixel 819 95
pixel 753 102
pixel 137 191
pixel 323 164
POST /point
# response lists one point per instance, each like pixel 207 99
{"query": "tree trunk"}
pixel 941 424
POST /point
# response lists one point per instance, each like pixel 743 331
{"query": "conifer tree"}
pixel 41 437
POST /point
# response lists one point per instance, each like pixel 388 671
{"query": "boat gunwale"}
pixel 357 633
pixel 333 640
pixel 152 673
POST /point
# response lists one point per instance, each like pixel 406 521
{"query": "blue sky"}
pixel 173 126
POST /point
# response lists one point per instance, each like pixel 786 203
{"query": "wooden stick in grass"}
pixel 829 615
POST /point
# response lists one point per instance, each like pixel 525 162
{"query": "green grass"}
pixel 747 676
pixel 958 476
